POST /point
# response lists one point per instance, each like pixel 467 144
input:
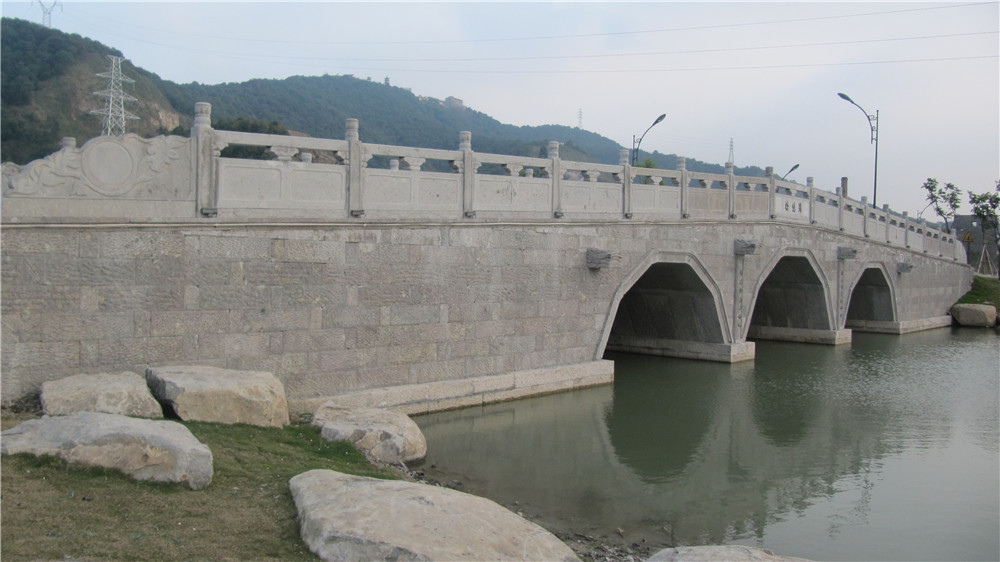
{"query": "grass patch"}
pixel 985 290
pixel 51 510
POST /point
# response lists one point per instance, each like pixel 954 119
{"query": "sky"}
pixel 760 77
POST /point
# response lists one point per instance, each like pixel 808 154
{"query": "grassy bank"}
pixel 53 511
pixel 985 290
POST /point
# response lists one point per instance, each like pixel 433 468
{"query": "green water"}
pixel 885 449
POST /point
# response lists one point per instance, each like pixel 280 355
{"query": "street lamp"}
pixel 873 123
pixel 795 167
pixel 636 143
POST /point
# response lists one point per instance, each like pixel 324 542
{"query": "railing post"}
pixel 685 187
pixel 864 207
pixel 812 200
pixel 731 184
pixel 906 229
pixel 771 193
pixel 888 221
pixel 841 204
pixel 468 172
pixel 355 161
pixel 201 132
pixel 555 174
pixel 623 161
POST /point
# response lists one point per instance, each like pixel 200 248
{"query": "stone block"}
pixel 159 451
pixel 131 244
pixel 975 315
pixel 220 395
pixel 124 393
pixel 383 435
pixel 315 251
pixel 229 247
pixel 355 518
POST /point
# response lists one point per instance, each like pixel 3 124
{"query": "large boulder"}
pixel 975 315
pixel 727 553
pixel 344 517
pixel 383 436
pixel 201 393
pixel 157 450
pixel 111 393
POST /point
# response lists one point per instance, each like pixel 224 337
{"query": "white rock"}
pixel 975 315
pixel 157 450
pixel 344 517
pixel 382 435
pixel 728 553
pixel 122 393
pixel 202 393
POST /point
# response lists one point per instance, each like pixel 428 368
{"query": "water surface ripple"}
pixel 885 449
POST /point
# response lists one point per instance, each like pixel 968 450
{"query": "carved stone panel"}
pixel 129 167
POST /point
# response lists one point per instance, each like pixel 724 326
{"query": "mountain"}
pixel 49 78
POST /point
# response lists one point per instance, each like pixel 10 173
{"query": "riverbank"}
pixel 590 547
pixel 985 290
pixel 246 513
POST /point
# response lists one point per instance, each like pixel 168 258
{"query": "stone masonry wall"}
pixel 328 309
pixel 334 309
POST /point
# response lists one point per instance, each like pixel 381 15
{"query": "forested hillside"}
pixel 49 78
pixel 48 82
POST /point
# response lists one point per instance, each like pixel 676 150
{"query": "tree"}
pixel 945 200
pixel 986 207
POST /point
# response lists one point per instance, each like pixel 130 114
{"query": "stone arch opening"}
pixel 792 305
pixel 672 309
pixel 871 300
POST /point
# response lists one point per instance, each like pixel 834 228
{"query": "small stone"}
pixel 718 554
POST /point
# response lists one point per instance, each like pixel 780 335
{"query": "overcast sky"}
pixel 765 75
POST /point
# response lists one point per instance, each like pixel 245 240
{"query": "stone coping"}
pixel 460 393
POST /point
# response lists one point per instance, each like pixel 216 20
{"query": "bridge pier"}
pixel 718 352
pixel 800 335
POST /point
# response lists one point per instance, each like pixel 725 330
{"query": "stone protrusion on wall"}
pixel 597 258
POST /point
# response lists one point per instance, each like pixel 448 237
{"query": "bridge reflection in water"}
pixel 877 451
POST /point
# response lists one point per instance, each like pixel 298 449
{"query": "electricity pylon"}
pixel 114 110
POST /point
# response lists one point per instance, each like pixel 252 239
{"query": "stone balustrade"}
pixel 173 179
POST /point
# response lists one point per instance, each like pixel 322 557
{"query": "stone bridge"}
pixel 426 279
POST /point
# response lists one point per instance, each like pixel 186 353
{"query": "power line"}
pixel 579 35
pixel 342 60
pixel 655 70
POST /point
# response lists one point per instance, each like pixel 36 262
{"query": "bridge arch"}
pixel 669 304
pixel 793 301
pixel 873 298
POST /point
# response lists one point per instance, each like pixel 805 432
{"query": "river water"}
pixel 884 449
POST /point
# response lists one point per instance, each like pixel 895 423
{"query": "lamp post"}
pixel 873 123
pixel 795 167
pixel 636 143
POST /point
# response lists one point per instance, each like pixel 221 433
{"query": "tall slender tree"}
pixel 986 207
pixel 945 200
